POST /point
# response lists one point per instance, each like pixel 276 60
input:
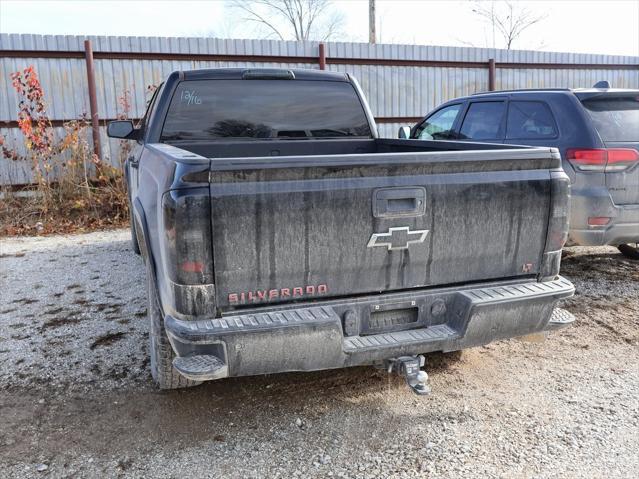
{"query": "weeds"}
pixel 74 189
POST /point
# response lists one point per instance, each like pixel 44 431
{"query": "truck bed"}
pixel 310 147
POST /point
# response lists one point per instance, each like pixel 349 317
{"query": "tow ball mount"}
pixel 409 367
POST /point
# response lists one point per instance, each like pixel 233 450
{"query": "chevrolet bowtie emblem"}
pixel 397 238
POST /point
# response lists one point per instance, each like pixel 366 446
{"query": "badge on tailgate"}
pixel 397 238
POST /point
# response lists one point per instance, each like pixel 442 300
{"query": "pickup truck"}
pixel 281 234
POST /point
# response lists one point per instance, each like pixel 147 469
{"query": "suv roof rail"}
pixel 518 90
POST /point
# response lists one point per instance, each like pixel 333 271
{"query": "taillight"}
pixel 607 160
pixel 192 266
pixel 587 160
pixel 559 211
pixel 557 233
pixel 187 230
pixel 620 159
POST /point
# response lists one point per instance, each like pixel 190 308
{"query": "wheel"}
pixel 160 350
pixel 135 246
pixel 630 250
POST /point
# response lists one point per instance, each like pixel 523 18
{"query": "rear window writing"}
pixel 529 120
pixel 212 109
pixel 616 119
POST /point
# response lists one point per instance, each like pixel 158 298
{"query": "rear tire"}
pixel 630 251
pixel 160 349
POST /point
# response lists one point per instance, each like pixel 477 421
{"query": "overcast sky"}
pixel 581 26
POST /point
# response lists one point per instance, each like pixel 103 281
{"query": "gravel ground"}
pixel 76 398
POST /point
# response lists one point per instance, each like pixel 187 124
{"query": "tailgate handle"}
pixel 390 202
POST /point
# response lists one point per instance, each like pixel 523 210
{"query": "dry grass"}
pixel 25 216
pixel 74 190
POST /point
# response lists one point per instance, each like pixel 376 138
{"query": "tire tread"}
pixel 629 251
pixel 160 349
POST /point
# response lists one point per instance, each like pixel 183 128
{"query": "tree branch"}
pixel 282 17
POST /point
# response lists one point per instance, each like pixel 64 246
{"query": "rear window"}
pixel 483 120
pixel 616 119
pixel 211 109
pixel 529 120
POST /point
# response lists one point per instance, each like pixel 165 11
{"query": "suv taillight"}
pixel 620 159
pixel 607 160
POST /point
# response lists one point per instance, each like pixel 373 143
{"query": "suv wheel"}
pixel 630 250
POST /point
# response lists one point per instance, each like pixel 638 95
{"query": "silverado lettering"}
pixel 270 294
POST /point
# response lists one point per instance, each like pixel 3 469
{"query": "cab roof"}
pixel 262 73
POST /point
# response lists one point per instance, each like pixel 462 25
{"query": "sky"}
pixel 580 26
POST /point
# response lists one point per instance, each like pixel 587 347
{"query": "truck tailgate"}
pixel 298 228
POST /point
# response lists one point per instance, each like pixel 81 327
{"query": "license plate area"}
pixel 388 318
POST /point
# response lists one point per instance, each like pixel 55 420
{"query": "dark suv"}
pixel 596 131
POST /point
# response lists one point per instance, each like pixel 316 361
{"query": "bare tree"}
pixel 292 19
pixel 507 19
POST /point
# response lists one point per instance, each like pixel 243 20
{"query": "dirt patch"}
pixel 59 322
pixel 107 340
pixel 25 301
pixel 610 267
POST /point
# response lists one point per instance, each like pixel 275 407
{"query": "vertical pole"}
pixel 491 74
pixel 372 36
pixel 93 101
pixel 322 56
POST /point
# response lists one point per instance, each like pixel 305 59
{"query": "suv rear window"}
pixel 213 109
pixel 616 118
pixel 529 120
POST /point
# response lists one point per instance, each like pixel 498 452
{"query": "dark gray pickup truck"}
pixel 281 234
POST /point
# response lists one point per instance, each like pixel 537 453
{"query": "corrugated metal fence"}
pixel 402 82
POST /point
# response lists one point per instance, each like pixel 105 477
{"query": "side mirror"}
pixel 122 129
pixel 404 132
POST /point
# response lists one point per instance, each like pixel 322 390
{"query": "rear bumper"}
pixel 326 335
pixel 622 228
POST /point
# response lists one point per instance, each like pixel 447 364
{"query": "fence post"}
pixel 322 57
pixel 491 74
pixel 93 101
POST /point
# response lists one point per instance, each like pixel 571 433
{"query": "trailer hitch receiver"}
pixel 410 368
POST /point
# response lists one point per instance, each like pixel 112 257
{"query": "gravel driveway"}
pixel 76 398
